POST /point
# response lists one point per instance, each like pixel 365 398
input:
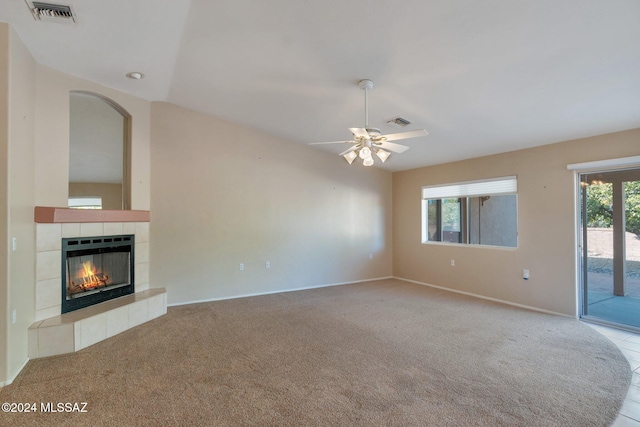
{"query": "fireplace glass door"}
pixel 96 269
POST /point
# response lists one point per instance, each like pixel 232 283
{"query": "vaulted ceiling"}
pixel 481 76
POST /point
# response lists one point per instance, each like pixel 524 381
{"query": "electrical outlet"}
pixel 525 274
pixel 267 264
pixel 453 263
pixel 241 266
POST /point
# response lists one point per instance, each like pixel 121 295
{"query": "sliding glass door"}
pixel 610 226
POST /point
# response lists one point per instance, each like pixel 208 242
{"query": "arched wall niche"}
pixel 99 152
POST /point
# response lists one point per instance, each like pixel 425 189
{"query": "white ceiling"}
pixel 481 76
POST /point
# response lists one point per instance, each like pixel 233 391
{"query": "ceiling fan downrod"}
pixel 366 84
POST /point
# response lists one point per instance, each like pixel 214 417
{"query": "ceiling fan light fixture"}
pixel 365 153
pixel 368 161
pixel 383 155
pixel 350 156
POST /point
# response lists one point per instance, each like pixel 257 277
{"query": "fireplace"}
pixel 96 269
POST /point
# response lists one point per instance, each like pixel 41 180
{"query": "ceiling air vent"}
pixel 51 12
pixel 399 121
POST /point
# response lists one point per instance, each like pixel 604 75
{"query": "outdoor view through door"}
pixel 610 212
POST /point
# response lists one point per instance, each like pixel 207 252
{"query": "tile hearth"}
pixel 55 333
pixel 79 329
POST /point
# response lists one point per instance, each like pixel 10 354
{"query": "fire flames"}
pixel 88 279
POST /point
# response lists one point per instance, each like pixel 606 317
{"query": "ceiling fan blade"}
pixel 405 135
pixel 359 133
pixel 332 142
pixel 355 147
pixel 391 146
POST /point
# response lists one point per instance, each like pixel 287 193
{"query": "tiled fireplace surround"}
pixel 53 333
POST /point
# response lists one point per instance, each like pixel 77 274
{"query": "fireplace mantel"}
pixel 53 215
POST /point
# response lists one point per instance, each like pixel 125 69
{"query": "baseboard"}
pixel 278 291
pixel 527 307
pixel 523 306
pixel 10 380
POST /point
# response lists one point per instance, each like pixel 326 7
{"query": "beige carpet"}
pixel 385 353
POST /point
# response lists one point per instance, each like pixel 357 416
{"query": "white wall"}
pixel 222 195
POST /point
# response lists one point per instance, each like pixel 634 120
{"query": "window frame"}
pixel 464 192
pixel 85 202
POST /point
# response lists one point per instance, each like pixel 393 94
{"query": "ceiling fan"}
pixel 369 140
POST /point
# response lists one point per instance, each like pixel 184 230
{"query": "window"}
pixel 476 212
pixel 85 202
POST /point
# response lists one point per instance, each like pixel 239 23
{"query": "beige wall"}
pixel 111 193
pixel 4 202
pixel 222 195
pixel 17 201
pixel 34 152
pixel 52 137
pixel 546 224
pixel 21 198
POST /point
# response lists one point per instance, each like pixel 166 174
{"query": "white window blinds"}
pixel 485 187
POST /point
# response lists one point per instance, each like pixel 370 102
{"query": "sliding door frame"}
pixel 580 266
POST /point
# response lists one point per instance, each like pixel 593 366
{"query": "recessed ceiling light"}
pixel 135 75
